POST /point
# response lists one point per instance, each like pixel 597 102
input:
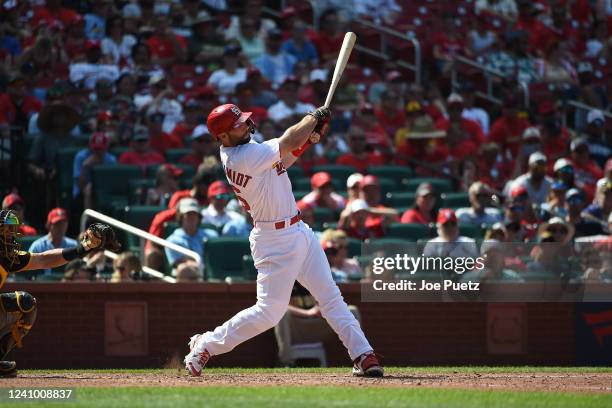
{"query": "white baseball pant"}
pixel 281 257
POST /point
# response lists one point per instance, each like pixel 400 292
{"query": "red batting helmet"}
pixel 226 117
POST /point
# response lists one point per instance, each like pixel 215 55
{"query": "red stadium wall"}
pixel 85 325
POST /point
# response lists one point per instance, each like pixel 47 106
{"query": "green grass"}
pixel 312 397
pixel 271 395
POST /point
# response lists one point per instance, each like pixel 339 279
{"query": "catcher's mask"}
pixel 9 231
pixel 226 117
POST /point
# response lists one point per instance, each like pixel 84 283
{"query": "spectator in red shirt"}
pixel 166 47
pixel 587 172
pixel 53 12
pixel 160 140
pixel 508 129
pixel 447 44
pixel 16 106
pixel 472 132
pixel 141 153
pixel 354 221
pixel 322 194
pixel 202 146
pixel 13 201
pixel 244 99
pixel 378 213
pixel 492 171
pixel 193 116
pixel 555 136
pixel 424 143
pixel 358 157
pixel 422 212
pixel 75 43
pixel 329 39
pixel 376 136
pixel 389 114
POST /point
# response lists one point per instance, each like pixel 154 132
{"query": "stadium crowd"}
pixel 123 88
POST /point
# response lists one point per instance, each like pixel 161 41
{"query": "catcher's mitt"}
pixel 100 236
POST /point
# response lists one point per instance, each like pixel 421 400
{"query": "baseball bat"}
pixel 343 57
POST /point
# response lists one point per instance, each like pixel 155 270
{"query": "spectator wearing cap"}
pixel 322 194
pixel 166 184
pixel 244 99
pixel 354 221
pixel 550 256
pixel 141 154
pixel 413 111
pixel 84 160
pixel 532 142
pixel 448 233
pixel 117 44
pixel 507 130
pixel 587 171
pixel 189 234
pixel 359 156
pixel 225 79
pixel 166 47
pixel 378 213
pixel 535 181
pixel 300 46
pixel 275 63
pixel 471 111
pixel 584 226
pixel 335 246
pixel 53 12
pixel 555 137
pixel 390 113
pixel 463 135
pixel 206 44
pixel 288 108
pixel 203 146
pixel 352 186
pixel 216 213
pixel 57 225
pixel 423 209
pixel 556 203
pixel 518 209
pixel 328 39
pixel 14 202
pixel 599 144
pixel 601 207
pixel 315 91
pixel 159 139
pixel 262 96
pixel 480 212
pixel 16 106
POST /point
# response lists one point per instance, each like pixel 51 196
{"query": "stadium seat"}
pixel 396 173
pixel 139 216
pixel 323 215
pixel 412 232
pixel 138 189
pixel 338 172
pixel 26 240
pixel 111 184
pixel 249 271
pixel 387 185
pixel 455 200
pixel 223 257
pixel 439 185
pixel 173 155
pixel 188 170
pixel 354 247
pixel 299 194
pixel 400 199
pixel 471 231
pixel 295 172
pixel 301 183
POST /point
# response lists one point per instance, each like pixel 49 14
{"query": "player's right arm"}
pixel 297 135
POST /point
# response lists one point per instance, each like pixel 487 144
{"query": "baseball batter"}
pixel 18 309
pixel 284 248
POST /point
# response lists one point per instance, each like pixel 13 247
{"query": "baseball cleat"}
pixel 195 361
pixel 8 369
pixel 367 365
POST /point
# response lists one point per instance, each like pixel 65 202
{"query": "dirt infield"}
pixel 532 381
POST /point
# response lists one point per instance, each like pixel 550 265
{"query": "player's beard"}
pixel 246 139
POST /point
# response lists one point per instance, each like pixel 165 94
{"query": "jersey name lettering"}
pixel 237 178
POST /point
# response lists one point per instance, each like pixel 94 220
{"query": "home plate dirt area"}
pixel 484 379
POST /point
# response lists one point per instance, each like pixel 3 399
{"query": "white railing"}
pixel 144 234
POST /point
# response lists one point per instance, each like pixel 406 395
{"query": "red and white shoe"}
pixel 367 365
pixel 195 361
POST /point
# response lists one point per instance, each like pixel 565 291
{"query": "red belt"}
pixel 293 220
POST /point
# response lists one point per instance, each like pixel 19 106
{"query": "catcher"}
pixel 18 309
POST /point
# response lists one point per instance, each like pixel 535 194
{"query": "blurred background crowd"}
pixel 455 122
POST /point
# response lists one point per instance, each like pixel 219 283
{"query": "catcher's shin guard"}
pixel 22 305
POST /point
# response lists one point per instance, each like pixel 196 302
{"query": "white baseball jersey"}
pixel 259 179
